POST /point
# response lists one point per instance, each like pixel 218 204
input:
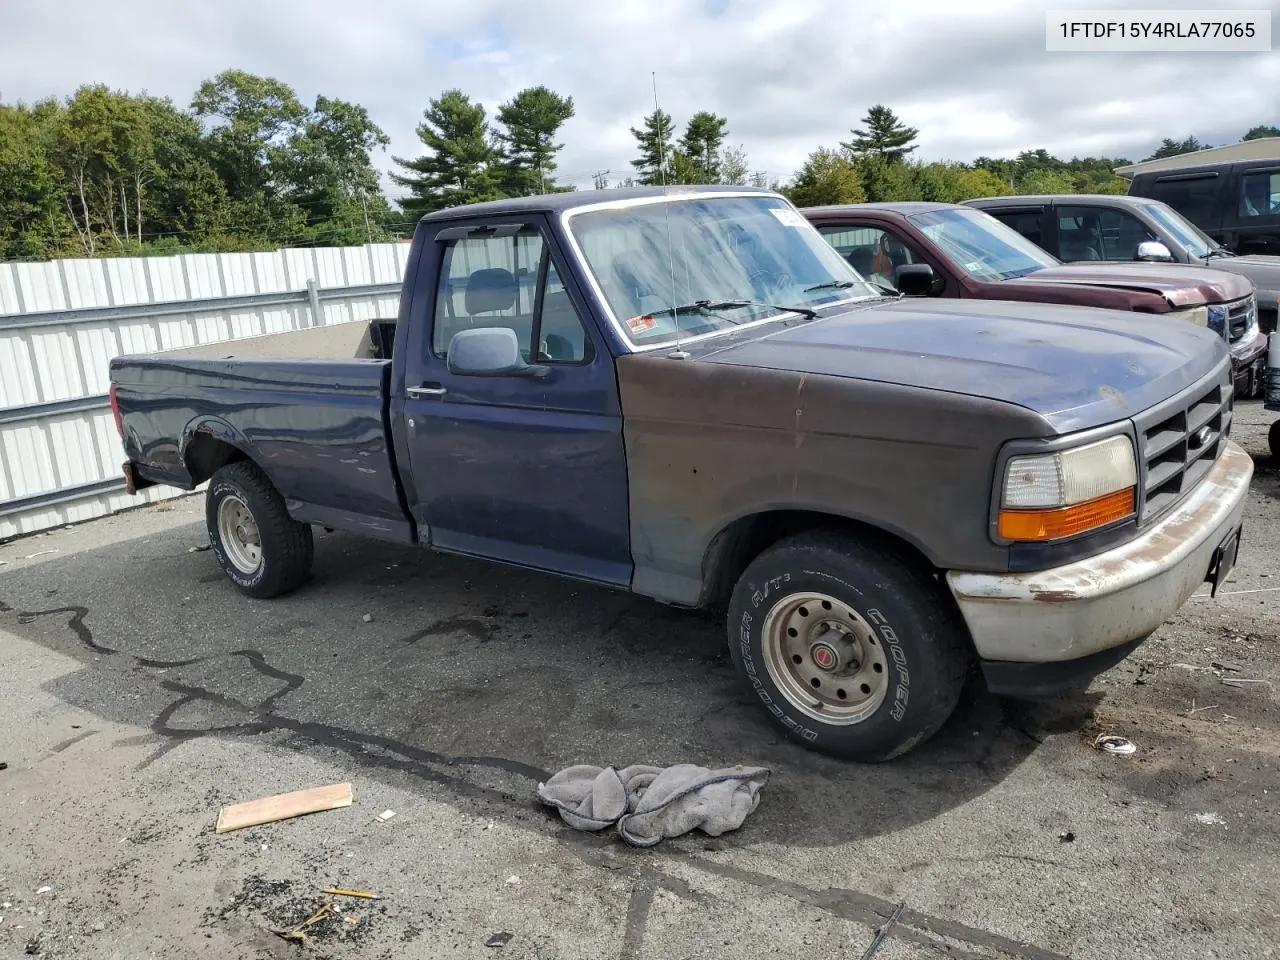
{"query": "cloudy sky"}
pixel 973 77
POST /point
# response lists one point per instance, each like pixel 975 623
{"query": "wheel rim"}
pixel 239 534
pixel 825 658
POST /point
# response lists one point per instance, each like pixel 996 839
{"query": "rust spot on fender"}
pixel 1054 596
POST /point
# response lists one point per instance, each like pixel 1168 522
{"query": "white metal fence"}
pixel 62 322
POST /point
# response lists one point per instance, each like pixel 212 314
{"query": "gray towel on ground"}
pixel 649 803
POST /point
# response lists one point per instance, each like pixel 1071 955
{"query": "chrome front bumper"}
pixel 1116 597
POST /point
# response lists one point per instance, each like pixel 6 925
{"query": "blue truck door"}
pixel 520 469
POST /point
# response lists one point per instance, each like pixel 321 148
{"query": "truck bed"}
pixel 310 407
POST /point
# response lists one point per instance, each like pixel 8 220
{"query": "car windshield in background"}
pixel 981 245
pixel 656 261
pixel 1183 230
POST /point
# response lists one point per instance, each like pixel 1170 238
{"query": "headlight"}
pixel 1218 321
pixel 1051 496
pixel 1197 315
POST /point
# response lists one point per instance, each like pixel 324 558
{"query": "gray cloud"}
pixel 789 77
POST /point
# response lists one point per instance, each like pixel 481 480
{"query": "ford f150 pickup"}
pixel 688 394
pixel 953 250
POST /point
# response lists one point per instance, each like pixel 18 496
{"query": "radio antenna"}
pixel 666 209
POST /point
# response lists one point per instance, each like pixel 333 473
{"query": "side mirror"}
pixel 489 352
pixel 1153 250
pixel 916 280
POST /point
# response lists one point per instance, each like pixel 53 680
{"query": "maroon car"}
pixel 951 250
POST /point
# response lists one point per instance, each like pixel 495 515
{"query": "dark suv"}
pixel 1236 202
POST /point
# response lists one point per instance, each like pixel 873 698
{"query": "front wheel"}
pixel 854 651
pixel 260 548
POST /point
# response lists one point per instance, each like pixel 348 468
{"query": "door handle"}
pixel 426 390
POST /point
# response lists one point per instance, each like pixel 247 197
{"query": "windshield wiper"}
pixel 711 305
pixel 830 285
pixel 1218 252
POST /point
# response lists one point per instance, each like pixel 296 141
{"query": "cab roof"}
pixel 559 202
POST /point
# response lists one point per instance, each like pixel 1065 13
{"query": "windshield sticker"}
pixel 788 217
pixel 641 324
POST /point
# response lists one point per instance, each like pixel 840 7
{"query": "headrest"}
pixel 490 289
pixel 625 269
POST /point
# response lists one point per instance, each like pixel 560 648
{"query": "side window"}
pixel 873 252
pixel 508 281
pixel 1099 233
pixel 1193 197
pixel 1260 194
pixel 1026 222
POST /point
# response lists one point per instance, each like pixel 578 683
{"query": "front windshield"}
pixel 735 248
pixel 981 245
pixel 1183 230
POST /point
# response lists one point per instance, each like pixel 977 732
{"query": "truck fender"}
pixel 218 429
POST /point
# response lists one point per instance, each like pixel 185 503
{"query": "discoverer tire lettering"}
pixel 926 653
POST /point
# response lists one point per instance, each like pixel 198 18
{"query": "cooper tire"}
pixel 895 668
pixel 261 549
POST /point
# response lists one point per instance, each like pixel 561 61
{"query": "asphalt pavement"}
pixel 141 693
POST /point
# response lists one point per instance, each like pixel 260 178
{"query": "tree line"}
pixel 246 165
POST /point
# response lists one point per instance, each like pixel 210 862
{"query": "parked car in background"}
pixel 952 250
pixel 1090 227
pixel 1237 203
pixel 688 395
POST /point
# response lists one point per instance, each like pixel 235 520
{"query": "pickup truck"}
pixel 1076 227
pixel 687 394
pixel 953 250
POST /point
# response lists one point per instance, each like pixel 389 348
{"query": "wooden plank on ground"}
pixel 283 806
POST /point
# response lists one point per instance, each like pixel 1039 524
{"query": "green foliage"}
pixel 459 166
pixel 885 136
pixel 655 162
pixel 530 121
pixel 734 168
pixel 33 220
pixel 886 179
pixel 1172 148
pixel 700 148
pixel 249 167
pixel 827 177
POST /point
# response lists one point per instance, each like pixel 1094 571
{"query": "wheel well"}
pixel 733 549
pixel 205 453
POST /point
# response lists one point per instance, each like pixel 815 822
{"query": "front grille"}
pixel 1241 316
pixel 1178 442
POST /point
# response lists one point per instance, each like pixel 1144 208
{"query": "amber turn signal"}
pixel 1041 525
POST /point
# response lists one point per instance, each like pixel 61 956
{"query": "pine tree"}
pixel 703 137
pixel 885 136
pixel 530 121
pixel 458 167
pixel 654 165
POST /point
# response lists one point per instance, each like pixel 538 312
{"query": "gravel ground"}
pixel 141 693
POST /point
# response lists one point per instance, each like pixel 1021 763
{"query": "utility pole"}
pixel 365 207
pixel 599 179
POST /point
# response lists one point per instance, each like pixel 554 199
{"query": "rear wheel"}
pixel 260 548
pixel 854 651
